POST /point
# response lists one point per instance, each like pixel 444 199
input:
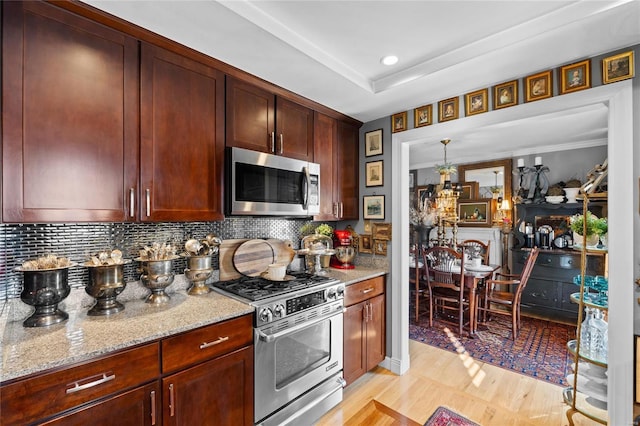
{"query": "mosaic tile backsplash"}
pixel 78 241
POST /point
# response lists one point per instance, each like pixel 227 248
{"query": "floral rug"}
pixel 445 417
pixel 540 350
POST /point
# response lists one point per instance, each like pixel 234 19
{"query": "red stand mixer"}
pixel 343 245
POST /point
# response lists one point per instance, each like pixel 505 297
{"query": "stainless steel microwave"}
pixel 266 184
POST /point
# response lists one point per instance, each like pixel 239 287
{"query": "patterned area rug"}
pixel 540 350
pixel 445 417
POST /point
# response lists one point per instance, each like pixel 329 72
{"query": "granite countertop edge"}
pixel 83 337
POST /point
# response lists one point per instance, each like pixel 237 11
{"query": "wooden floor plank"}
pixel 486 394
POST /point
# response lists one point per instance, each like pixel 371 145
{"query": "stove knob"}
pixel 340 291
pixel 279 311
pixel 331 293
pixel 266 315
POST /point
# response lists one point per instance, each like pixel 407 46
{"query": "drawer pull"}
pixel 153 407
pixel 78 387
pixel 215 342
pixel 367 290
pixel 171 401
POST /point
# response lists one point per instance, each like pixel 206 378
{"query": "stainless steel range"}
pixel 298 342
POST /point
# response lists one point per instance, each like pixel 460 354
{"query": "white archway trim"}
pixel 619 99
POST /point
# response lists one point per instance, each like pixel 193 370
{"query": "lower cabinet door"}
pixel 217 392
pixel 355 349
pixel 375 332
pixel 140 406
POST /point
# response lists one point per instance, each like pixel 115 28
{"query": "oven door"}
pixel 290 362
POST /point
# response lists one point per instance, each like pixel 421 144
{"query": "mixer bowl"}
pixel 345 255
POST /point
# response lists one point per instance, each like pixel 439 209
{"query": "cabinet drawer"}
pixel 45 395
pixel 356 293
pixel 206 342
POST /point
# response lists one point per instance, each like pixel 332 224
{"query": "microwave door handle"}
pixel 305 187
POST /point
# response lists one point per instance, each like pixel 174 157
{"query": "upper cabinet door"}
pixel 250 117
pixel 70 117
pixel 182 138
pixel 324 146
pixel 294 130
pixel 347 171
pixel 260 121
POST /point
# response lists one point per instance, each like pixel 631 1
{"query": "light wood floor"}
pixel 484 393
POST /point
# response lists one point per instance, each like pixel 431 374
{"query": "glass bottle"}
pixel 599 337
pixel 585 332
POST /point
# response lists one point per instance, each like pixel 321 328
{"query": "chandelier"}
pixel 447 198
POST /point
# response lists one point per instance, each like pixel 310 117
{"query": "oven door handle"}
pixel 271 337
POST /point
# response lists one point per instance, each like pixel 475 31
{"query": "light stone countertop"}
pixel 30 350
pixel 360 273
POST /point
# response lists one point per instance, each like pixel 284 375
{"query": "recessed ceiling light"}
pixel 389 60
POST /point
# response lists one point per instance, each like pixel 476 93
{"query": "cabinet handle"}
pixel 153 407
pixel 370 312
pixel 281 144
pixel 335 209
pixel 171 401
pixel 103 379
pixel 215 342
pixel 148 200
pixel 132 201
pixel 341 210
pixel 367 290
pixel 366 312
pixel 273 142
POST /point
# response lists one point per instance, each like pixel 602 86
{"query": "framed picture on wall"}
pixel 475 212
pixel 575 77
pixel 617 67
pixel 422 115
pixel 373 143
pixel 468 190
pixel 380 247
pixel 365 244
pixel 538 86
pixel 373 206
pixel 505 94
pixel 476 102
pixel 413 178
pixel 374 173
pixel 448 109
pixel 399 122
pixel 381 231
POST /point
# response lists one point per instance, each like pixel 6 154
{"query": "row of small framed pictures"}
pixel 573 77
pixel 375 238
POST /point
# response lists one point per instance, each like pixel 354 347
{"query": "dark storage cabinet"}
pixel 551 283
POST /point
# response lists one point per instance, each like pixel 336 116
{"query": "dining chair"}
pixel 444 274
pixel 477 246
pixel 507 302
pixel 417 283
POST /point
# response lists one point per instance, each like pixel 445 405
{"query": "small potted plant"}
pixel 595 227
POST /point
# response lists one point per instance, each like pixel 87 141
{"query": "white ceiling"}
pixel 329 51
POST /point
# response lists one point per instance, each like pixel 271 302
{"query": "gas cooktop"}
pixel 258 288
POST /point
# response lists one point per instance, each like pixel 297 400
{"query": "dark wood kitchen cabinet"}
pixel 181 138
pixel 364 327
pixel 210 379
pixel 336 150
pixel 121 385
pixel 70 117
pixel 261 121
